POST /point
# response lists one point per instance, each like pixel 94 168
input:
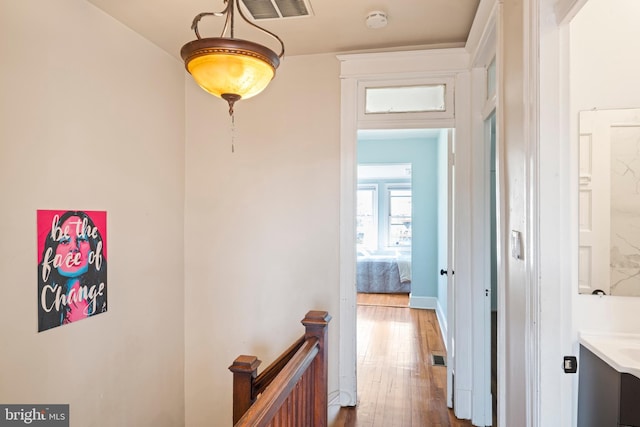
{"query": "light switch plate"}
pixel 516 244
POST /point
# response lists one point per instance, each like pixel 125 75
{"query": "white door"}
pixel 594 205
pixel 490 294
pixel 445 256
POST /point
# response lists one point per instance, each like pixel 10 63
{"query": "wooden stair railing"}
pixel 292 391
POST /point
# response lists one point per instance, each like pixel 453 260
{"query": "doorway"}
pixel 359 72
pixel 397 218
pixel 404 178
pixel 402 202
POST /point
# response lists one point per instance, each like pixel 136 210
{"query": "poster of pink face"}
pixel 72 266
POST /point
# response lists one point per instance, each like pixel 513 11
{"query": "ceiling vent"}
pixel 277 9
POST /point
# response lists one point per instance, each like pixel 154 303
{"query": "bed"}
pixel 383 274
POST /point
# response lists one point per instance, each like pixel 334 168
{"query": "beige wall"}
pixel 92 117
pixel 261 227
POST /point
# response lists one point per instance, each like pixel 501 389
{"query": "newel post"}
pixel 245 370
pixel 316 325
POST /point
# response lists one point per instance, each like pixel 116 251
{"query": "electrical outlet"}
pixel 570 364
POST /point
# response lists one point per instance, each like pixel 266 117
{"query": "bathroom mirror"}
pixel 609 202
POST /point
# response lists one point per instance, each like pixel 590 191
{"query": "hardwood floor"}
pixel 389 300
pixel 397 384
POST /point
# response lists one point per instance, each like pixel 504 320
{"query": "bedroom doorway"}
pixel 403 197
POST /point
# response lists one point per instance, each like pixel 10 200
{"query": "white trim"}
pixel 410 64
pixel 450 276
pixel 487 41
pixel 463 398
pixel 558 212
pixel 424 303
pixel 489 107
pixel 442 321
pixel 485 13
pixel 531 81
pixel 567 396
pixel 333 407
pixel 483 49
pixel 464 278
pixel 481 250
pixel 566 10
pixel 443 123
pixel 501 224
pixel 348 350
pixel 482 36
pixel 394 66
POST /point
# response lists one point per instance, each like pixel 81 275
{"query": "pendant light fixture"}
pixel 227 67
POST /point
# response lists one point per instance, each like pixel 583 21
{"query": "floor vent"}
pixel 437 360
pixel 278 9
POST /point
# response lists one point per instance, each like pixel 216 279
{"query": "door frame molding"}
pixel 486 46
pixel 394 67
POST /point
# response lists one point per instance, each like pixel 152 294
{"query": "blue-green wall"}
pixel 422 155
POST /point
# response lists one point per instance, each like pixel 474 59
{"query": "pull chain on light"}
pixel 233 133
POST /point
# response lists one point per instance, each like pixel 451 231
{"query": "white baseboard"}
pixel 462 405
pixel 429 303
pixel 442 320
pixel 432 303
pixel 333 407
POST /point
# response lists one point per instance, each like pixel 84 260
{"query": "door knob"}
pixel 444 272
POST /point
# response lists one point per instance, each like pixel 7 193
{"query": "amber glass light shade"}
pixel 226 66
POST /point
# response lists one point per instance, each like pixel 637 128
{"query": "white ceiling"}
pixel 336 25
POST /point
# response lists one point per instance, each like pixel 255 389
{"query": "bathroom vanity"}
pixel 609 380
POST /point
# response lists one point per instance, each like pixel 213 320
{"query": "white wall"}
pixel 92 117
pixel 604 69
pixel 262 227
pixel 515 152
pixel 556 391
pixel 591 64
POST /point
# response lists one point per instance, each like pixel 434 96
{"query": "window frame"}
pixel 376 214
pixel 389 187
pixel 447 113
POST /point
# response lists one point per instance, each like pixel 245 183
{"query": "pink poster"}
pixel 72 266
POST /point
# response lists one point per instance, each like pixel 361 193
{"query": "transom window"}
pixel 405 99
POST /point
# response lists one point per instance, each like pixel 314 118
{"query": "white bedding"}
pixel 404 268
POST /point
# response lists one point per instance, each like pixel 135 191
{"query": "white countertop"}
pixel 620 351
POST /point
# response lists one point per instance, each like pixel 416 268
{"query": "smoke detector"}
pixel 376 19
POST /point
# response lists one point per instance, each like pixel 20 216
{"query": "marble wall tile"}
pixel 625 211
